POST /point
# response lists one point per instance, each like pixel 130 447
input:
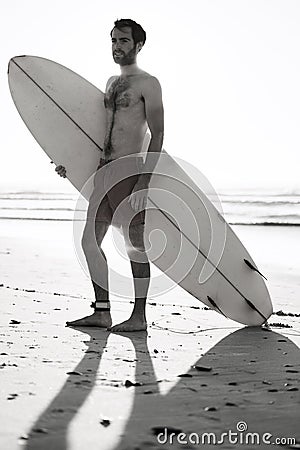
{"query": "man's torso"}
pixel 125 115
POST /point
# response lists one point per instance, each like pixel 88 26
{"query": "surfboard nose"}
pixel 8 67
pixel 12 60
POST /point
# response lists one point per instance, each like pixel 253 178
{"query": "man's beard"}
pixel 127 59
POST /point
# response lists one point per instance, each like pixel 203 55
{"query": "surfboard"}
pixel 191 242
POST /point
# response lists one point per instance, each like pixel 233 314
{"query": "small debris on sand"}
pixel 40 430
pixel 129 383
pixel 210 408
pixel 105 422
pixel 203 368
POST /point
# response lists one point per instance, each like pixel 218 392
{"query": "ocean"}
pixel 244 207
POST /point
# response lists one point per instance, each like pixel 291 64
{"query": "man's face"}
pixel 123 48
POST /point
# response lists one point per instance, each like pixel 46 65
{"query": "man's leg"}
pixel 98 269
pixel 140 267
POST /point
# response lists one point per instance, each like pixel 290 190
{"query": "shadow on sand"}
pixel 252 375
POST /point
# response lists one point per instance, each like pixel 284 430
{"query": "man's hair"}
pixel 138 33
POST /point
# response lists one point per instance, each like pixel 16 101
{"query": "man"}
pixel 133 102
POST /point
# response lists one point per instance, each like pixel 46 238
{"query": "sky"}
pixel 229 71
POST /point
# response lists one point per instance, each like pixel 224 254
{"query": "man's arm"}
pixel 155 118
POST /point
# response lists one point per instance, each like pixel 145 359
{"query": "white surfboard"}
pixel 66 115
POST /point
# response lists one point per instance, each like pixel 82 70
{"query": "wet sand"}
pixel 193 372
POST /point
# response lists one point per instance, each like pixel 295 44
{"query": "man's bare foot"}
pixel 97 319
pixel 132 324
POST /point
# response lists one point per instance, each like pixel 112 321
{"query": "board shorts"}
pixel 113 184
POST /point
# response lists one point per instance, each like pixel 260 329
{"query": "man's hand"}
pixel 61 170
pixel 138 197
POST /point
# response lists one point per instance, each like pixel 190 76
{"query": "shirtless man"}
pixel 133 102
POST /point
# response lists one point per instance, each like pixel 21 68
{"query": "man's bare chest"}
pixel 122 94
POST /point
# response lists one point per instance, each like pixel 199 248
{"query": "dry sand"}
pixel 196 372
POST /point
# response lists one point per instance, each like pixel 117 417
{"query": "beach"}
pixel 194 371
pixel 82 86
